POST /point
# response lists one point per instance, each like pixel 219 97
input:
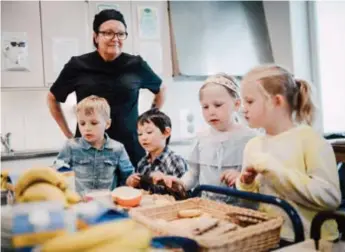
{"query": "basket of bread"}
pixel 216 226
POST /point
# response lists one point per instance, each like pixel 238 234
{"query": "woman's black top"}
pixel 119 82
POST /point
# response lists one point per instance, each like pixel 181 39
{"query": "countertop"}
pixel 20 155
pixel 338 145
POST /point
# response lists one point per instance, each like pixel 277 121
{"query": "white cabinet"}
pixel 65 33
pixel 23 17
pixel 58 30
pixel 146 47
pixel 24 110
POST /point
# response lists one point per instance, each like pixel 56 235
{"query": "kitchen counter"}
pixel 338 146
pixel 20 155
pixel 28 154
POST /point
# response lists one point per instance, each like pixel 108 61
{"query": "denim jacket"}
pixel 104 168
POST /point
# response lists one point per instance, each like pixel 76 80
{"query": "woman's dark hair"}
pixel 158 118
pixel 103 16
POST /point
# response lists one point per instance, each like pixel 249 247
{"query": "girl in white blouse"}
pixel 216 157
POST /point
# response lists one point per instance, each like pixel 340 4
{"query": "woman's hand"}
pixel 229 177
pixel 248 175
pixel 133 180
pixel 69 134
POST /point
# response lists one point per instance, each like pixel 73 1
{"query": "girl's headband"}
pixel 220 80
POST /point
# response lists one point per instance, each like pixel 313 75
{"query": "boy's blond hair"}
pixel 94 104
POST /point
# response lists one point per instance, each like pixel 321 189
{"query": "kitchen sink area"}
pixel 19 155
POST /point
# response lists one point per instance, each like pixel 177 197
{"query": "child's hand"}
pixel 229 177
pixel 264 162
pixel 168 180
pixel 133 180
pixel 157 176
pixel 248 176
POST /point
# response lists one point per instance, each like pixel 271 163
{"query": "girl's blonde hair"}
pixel 94 104
pixel 274 80
pixel 224 80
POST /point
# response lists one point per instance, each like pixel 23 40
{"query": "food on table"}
pixel 221 228
pixel 189 213
pixel 243 220
pixel 126 196
pixel 39 174
pixel 162 202
pixel 156 200
pixel 98 194
pixel 177 190
pixel 44 184
pixel 196 223
pixel 127 243
pixel 204 224
pixel 111 235
pixel 72 197
pixel 42 192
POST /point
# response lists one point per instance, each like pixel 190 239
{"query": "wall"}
pixel 25 114
pixel 292 44
pixel 331 57
pixel 228 36
pixel 33 77
pixel 278 23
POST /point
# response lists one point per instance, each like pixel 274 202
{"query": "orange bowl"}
pixel 126 196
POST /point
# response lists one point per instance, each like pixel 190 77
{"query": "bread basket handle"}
pixel 176 242
pixel 291 212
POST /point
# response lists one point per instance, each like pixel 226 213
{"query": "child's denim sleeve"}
pixel 125 166
pixel 64 157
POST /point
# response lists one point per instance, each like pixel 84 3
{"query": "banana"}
pixel 72 197
pixel 42 192
pixel 39 174
pixel 3 183
pixel 91 237
pixel 4 177
pixel 126 242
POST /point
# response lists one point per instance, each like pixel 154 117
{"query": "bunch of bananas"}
pixel 124 235
pixel 4 178
pixel 44 184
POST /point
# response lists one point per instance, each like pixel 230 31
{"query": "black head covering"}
pixel 105 15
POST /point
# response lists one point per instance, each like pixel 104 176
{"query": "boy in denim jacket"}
pixel 98 161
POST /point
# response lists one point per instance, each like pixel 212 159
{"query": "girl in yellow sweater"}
pixel 291 161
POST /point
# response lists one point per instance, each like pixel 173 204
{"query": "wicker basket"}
pixel 262 236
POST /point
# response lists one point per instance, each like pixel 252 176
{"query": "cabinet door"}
pixel 64 34
pixel 157 50
pixel 21 19
pixel 125 8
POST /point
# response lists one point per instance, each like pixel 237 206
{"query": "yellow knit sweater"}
pixel 298 166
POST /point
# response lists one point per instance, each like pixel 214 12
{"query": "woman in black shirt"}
pixel 112 74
